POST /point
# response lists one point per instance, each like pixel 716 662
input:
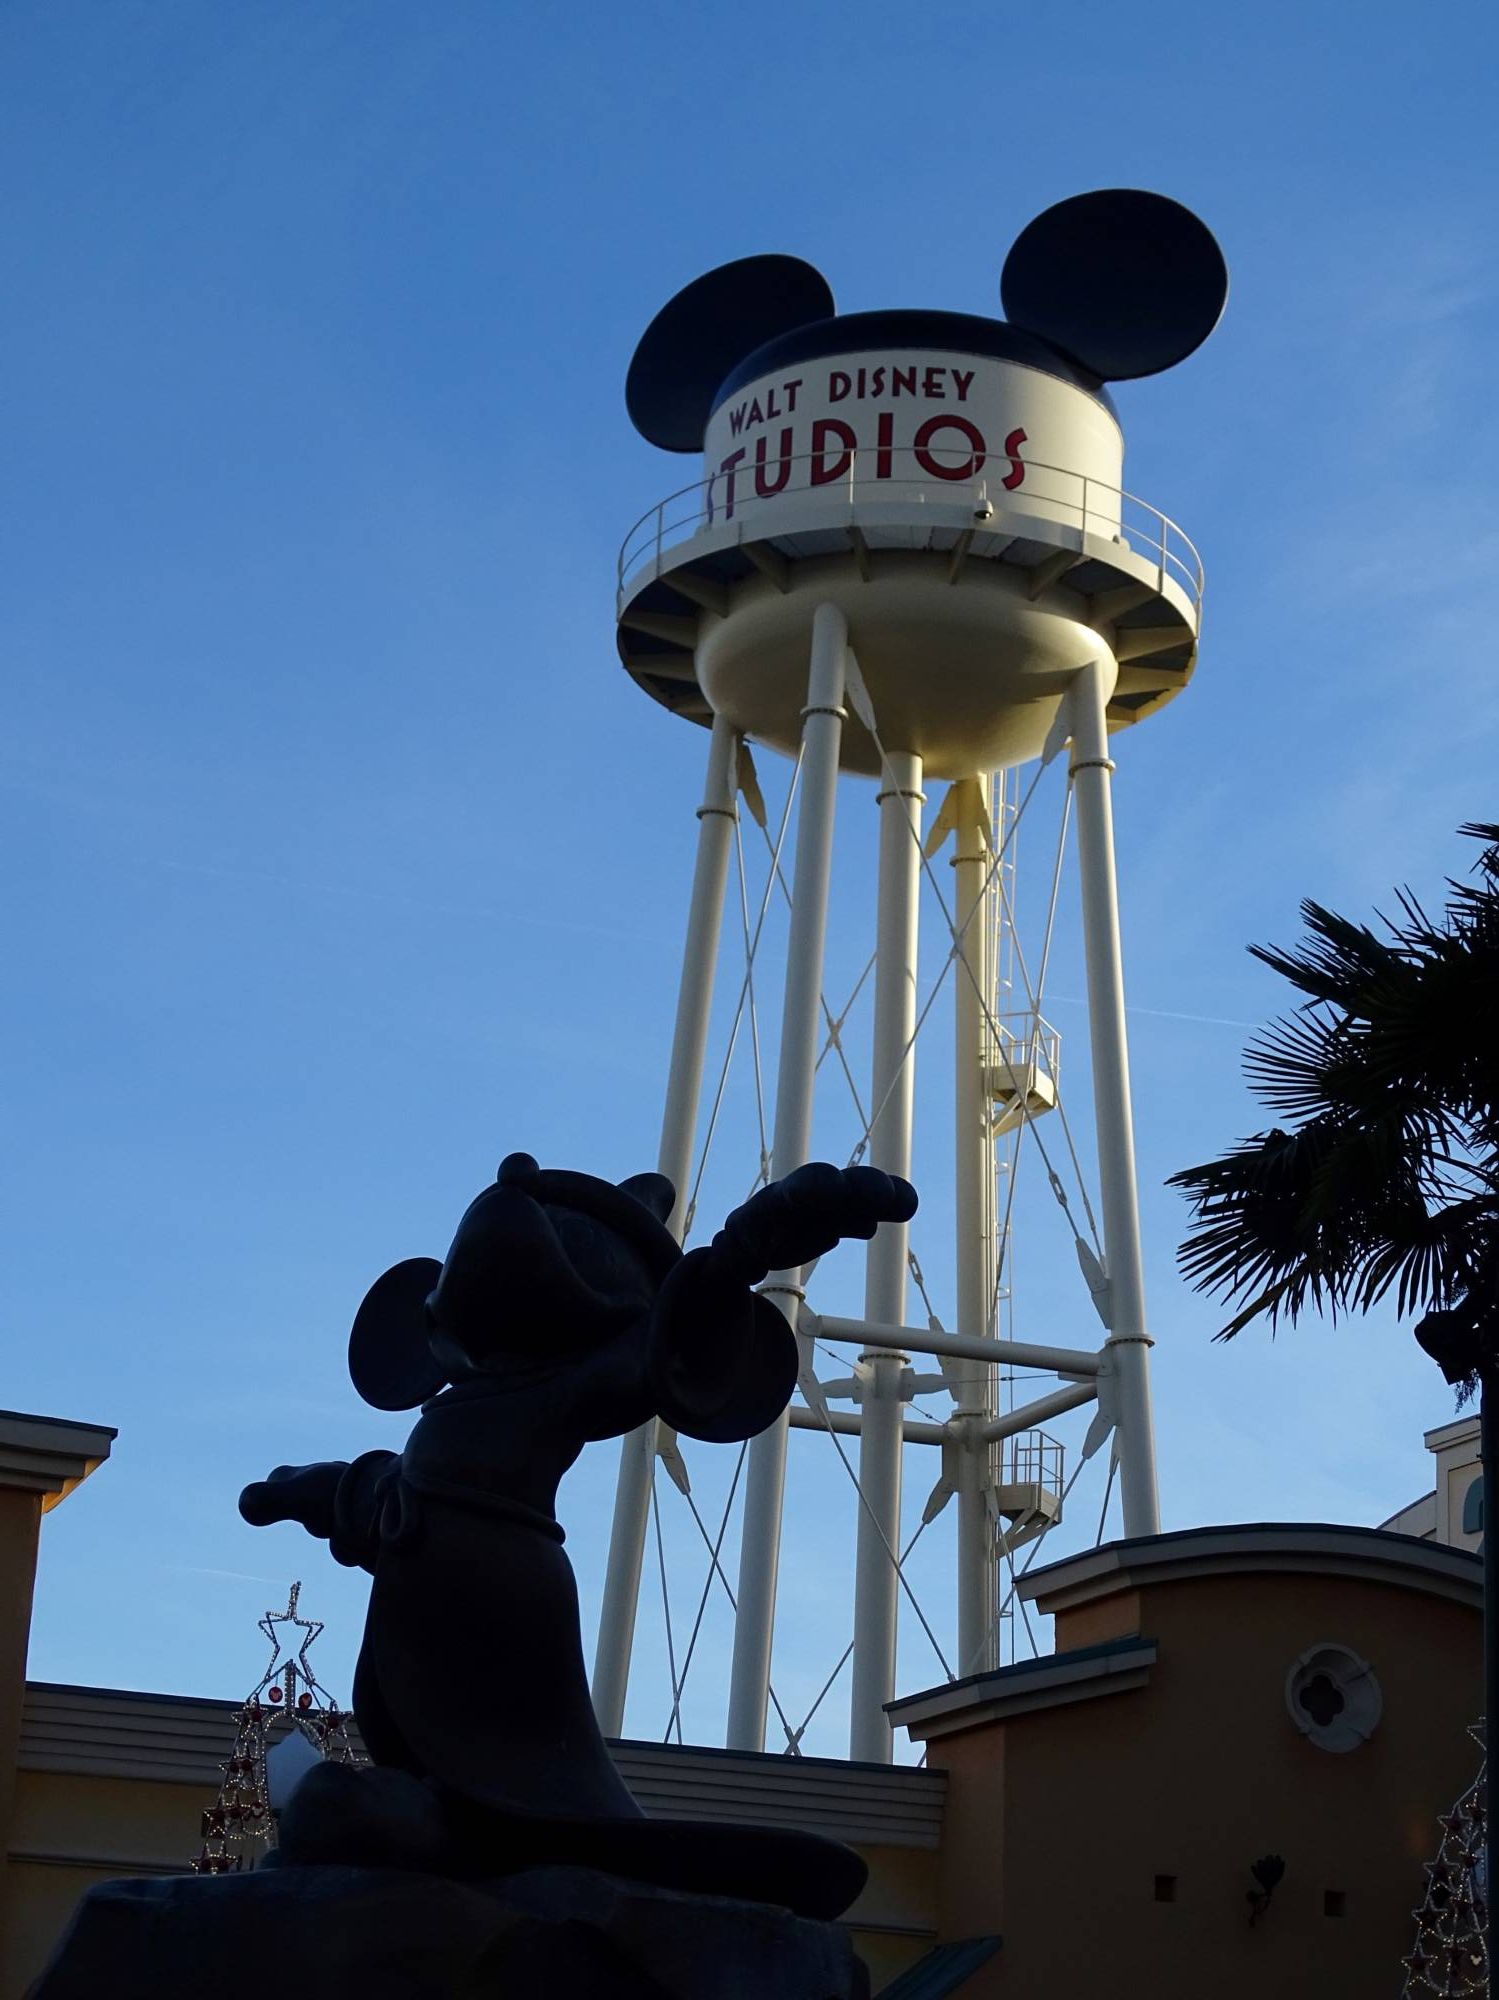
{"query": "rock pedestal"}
pixel 392 1934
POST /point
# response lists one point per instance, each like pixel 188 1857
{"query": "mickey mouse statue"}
pixel 492 1847
pixel 565 1312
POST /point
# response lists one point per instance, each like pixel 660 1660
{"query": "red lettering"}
pixel 839 385
pixel 931 384
pixel 903 378
pixel 885 438
pixel 1016 472
pixel 763 488
pixel 756 414
pixel 822 430
pixel 962 377
pixel 921 444
pixel 727 469
pixel 736 420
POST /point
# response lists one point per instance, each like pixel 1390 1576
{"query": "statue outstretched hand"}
pixel 724 1359
pixel 304 1493
pixel 802 1217
pixel 352 1507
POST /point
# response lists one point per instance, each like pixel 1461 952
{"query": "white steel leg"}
pixel 974 1202
pixel 1128 1343
pixel 882 1408
pixel 765 1478
pixel 632 1495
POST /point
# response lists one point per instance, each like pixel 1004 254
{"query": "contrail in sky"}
pixel 1166 1014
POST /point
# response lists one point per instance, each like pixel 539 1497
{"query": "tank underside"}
pixel 966 635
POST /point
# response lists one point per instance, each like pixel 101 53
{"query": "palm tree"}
pixel 1385 1173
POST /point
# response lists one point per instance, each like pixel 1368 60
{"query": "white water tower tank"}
pixel 954 484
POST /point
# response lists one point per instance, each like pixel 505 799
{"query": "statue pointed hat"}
pixel 507 1248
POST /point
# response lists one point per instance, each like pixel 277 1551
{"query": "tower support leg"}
pixel 1129 1342
pixel 973 1186
pixel 876 1585
pixel 765 1479
pixel 632 1497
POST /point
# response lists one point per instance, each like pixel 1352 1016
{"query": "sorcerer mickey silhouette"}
pixel 565 1312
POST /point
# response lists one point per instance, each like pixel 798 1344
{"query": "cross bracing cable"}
pixel 716 1569
pixel 1014 1588
pixel 1033 997
pixel 958 933
pixel 1108 1494
pixel 991 1631
pixel 841 1019
pixel 671 1651
pixel 831 1022
pixel 896 1560
pixel 723 1075
pixel 702 1604
pixel 846 1654
pixel 749 965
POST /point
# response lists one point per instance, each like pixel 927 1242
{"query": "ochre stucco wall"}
pixel 70 1832
pixel 895 1920
pixel 1195 1775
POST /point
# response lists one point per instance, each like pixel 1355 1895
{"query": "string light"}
pixel 1450 1954
pixel 240 1825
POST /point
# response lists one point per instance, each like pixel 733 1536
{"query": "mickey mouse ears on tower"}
pixel 1119 283
pixel 705 331
pixel 1125 282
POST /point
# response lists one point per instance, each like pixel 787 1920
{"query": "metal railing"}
pixel 1032 1458
pixel 1048 492
pixel 1024 1039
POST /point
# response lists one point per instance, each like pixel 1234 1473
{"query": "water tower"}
pixel 910 559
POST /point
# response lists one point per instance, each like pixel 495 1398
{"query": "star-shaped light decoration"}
pixel 290 1637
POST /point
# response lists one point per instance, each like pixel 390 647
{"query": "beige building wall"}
pixel 1444 1514
pixel 1097 1810
pixel 1069 1823
pixel 42 1459
pixel 113 1783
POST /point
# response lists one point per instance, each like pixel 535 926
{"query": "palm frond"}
pixel 1388 1076
pixel 1335 963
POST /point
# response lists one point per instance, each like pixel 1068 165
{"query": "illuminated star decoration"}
pixel 1449 1955
pixel 290 1637
pixel 241 1822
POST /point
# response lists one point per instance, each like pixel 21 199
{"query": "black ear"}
pixel 1127 283
pixel 697 338
pixel 652 1191
pixel 390 1363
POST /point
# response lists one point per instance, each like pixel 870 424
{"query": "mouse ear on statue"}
pixel 700 336
pixel 652 1191
pixel 390 1362
pixel 1126 282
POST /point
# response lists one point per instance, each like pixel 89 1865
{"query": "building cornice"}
pixel 1051 1682
pixel 1269 1548
pixel 1460 1429
pixel 49 1455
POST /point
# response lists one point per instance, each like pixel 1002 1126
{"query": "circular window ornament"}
pixel 1333 1697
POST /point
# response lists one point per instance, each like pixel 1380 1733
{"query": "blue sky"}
pixel 339 857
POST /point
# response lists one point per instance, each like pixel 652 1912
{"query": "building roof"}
pixel 183 1739
pixel 50 1455
pixel 1049 1682
pixel 1311 1548
pixel 1459 1430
